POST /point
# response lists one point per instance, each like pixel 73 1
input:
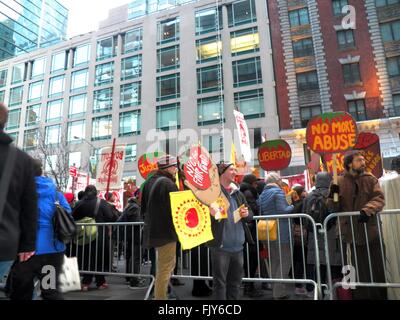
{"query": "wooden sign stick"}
pixel 335 177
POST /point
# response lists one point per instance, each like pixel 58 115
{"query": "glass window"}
pixel 77 106
pixel 18 73
pixel 54 110
pixel 74 159
pixel 50 164
pixel 102 100
pixel 212 143
pixel 52 134
pixel 307 80
pixel 168 87
pixel 303 48
pixel 250 103
pixel 244 41
pixel 102 128
pixel 130 152
pixel 16 96
pixel 14 116
pixel 32 115
pixel 209 79
pixel 104 74
pixel 393 66
pixel 132 40
pixel 35 91
pixel 30 139
pixel 384 3
pixel 345 39
pixel 130 95
pixel 168 58
pixel 246 72
pixel 58 61
pixel 129 123
pixel 14 136
pixel 390 31
pixel 208 49
pixel 168 117
pixel 131 67
pixel 38 67
pixel 240 12
pixel 168 30
pixel 76 131
pixel 306 113
pixel 3 78
pixel 209 110
pixel 206 20
pixel 299 17
pixel 2 95
pixel 79 80
pixel 136 8
pixel 351 73
pixel 338 5
pixel 56 86
pixel 81 55
pixel 357 109
pixel 396 104
pixel 106 48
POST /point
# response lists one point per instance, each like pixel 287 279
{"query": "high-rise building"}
pixel 26 25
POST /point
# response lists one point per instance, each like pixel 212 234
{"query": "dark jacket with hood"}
pixel 86 208
pixel 19 222
pixel 251 196
pixel 158 226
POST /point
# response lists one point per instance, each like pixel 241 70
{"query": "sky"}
pixel 85 15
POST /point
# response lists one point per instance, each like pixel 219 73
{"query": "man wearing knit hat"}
pixel 159 231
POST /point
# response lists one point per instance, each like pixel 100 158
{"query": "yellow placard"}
pixel 221 208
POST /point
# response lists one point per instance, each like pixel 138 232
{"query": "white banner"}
pixel 103 168
pixel 118 196
pixel 244 136
pixel 81 181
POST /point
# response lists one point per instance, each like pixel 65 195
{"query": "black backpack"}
pixel 63 223
pixel 317 207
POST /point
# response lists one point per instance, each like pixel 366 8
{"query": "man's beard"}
pixel 359 171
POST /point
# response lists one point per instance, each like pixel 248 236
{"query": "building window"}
pixel 131 67
pixel 76 131
pixel 102 100
pixel 357 109
pixel 81 55
pixel 77 106
pixel 102 128
pixel 393 66
pixel 132 40
pixel 168 117
pixel 14 136
pixel 14 116
pixel 168 58
pixel 306 113
pixel 58 61
pixel 18 73
pixel 136 8
pixel 257 138
pixel 2 95
pixel 168 30
pixel 129 123
pixel 209 79
pixel 38 67
pixel 16 96
pixel 54 110
pixel 3 78
pixel 390 31
pixel 168 87
pixel 351 73
pixel 384 3
pixel 303 48
pixel 56 86
pixel 32 115
pixel 206 20
pixel 307 81
pixel 104 74
pixel 396 104
pixel 35 91
pixel 337 6
pixel 345 39
pixel 130 152
pixel 210 110
pixel 208 49
pixel 241 12
pixel 250 103
pixel 79 80
pixel 106 48
pixel 130 95
pixel 74 159
pixel 246 72
pixel 299 17
pixel 30 139
pixel 212 143
pixel 245 41
pixel 52 134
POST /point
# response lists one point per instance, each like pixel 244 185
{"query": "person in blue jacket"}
pixel 273 202
pixel 46 264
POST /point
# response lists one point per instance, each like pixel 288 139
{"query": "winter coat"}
pixel 87 206
pixel 19 221
pixel 251 196
pixel 158 228
pixel 272 201
pixel 47 195
pixel 130 214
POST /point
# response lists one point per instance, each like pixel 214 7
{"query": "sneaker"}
pixel 138 284
pixel 300 291
pixel 266 286
pixel 175 282
pixel 103 286
pixel 85 287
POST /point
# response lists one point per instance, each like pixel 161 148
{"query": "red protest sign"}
pixel 331 132
pixel 148 163
pixel 197 168
pixel 274 155
pixel 73 171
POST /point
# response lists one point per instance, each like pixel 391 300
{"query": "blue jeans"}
pixel 5 268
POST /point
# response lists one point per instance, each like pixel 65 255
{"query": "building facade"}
pixel 337 55
pixel 26 25
pixel 158 80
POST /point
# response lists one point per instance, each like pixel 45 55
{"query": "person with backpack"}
pixel 49 250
